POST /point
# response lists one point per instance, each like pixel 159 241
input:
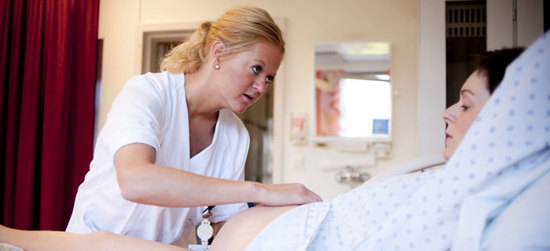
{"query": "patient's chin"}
pixel 447 153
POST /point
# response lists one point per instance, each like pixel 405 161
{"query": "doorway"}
pixel 258 120
pixel 466 36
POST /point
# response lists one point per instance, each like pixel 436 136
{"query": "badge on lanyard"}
pixel 204 231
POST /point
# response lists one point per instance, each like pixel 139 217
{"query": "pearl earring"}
pixel 217 66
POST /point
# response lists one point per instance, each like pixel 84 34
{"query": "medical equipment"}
pixel 204 232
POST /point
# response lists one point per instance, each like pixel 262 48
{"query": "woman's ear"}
pixel 217 49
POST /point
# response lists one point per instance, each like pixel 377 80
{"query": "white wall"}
pixel 307 22
pixel 431 76
pixel 500 23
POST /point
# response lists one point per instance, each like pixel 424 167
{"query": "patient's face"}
pixel 460 116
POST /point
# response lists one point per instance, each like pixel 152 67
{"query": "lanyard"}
pixel 206 212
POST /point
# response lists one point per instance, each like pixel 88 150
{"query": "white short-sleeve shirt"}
pixel 152 109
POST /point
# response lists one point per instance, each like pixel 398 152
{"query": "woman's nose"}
pixel 448 115
pixel 260 85
pixel 444 114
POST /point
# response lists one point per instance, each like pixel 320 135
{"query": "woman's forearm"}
pixel 142 181
pixel 170 187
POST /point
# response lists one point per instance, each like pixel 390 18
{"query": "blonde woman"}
pixel 172 145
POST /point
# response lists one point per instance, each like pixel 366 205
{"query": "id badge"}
pixel 204 232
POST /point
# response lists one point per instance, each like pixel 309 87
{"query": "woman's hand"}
pixel 285 194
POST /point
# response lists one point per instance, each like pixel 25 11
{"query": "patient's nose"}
pixel 449 114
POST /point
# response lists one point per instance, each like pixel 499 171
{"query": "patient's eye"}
pixel 466 103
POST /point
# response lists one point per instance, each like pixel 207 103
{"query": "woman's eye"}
pixel 269 79
pixel 256 69
pixel 464 107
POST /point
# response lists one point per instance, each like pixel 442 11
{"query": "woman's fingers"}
pixel 288 194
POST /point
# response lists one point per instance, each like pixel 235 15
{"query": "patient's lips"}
pixel 447 137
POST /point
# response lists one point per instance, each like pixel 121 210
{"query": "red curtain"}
pixel 47 92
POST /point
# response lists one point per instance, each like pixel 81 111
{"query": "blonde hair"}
pixel 238 29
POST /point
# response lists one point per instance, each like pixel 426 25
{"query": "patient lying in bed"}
pixel 500 171
pixel 495 176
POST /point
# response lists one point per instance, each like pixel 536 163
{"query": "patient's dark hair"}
pixel 492 64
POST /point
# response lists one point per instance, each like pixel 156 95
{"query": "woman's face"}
pixel 246 75
pixel 460 116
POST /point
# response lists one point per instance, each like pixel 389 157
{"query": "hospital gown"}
pixel 504 153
